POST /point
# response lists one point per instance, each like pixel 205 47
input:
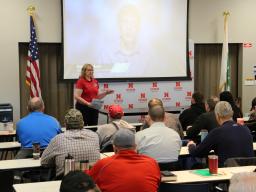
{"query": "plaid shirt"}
pixel 81 144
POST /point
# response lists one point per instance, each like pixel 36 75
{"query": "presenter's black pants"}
pixel 90 115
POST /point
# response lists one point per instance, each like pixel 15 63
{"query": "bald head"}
pixel 154 102
pixel 157 113
pixel 35 104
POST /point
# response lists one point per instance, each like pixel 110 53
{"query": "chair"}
pixel 107 147
pixel 252 126
pixel 240 161
pixel 170 187
pixel 170 166
pixel 42 174
pixel 6 181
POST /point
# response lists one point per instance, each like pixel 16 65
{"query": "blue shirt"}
pixel 37 127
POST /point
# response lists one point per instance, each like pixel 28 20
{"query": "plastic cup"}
pixel 213 164
pixel 203 134
pixel 36 150
pixel 84 165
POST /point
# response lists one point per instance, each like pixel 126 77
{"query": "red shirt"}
pixel 126 171
pixel 90 88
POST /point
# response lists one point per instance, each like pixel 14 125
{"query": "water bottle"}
pixel 204 133
pixel 36 150
pixel 69 164
pixel 84 165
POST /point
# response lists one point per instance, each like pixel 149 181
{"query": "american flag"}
pixel 33 71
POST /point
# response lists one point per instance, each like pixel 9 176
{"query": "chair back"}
pixel 170 187
pixel 107 147
pixel 251 124
pixel 6 180
pixel 240 161
pixel 170 166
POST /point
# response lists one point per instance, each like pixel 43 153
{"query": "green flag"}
pixel 225 80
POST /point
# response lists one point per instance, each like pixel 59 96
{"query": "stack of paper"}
pixel 97 103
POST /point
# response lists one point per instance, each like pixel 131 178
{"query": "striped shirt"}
pixel 80 144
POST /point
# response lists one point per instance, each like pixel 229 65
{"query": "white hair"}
pixel 243 182
pixel 223 109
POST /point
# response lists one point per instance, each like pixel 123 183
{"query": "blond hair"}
pixel 84 68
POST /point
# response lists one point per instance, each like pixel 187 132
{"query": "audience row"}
pixel 137 155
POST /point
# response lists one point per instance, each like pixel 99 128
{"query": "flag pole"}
pixel 224 60
pixel 31 10
pixel 33 69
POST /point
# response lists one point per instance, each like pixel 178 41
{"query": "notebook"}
pixel 168 176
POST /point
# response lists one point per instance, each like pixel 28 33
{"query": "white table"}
pixel 49 186
pixel 6 147
pixel 225 174
pixel 182 177
pixel 107 154
pixel 19 164
pixel 4 133
pixel 183 152
pixel 9 145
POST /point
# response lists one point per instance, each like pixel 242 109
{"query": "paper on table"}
pixel 202 172
pixel 205 172
pixel 97 103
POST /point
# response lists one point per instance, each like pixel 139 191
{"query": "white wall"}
pixel 14 27
pixel 206 26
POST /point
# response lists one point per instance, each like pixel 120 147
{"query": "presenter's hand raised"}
pixel 109 91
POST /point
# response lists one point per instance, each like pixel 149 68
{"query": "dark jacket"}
pixel 188 116
pixel 237 112
pixel 228 140
pixel 204 121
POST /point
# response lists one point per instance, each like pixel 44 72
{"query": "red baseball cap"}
pixel 115 111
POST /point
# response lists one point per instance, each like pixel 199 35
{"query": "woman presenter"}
pixel 87 95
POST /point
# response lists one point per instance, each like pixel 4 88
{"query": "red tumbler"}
pixel 213 164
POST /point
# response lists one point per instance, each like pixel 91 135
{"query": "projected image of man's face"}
pixel 129 26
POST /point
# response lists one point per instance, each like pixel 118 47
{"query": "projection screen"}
pixel 126 39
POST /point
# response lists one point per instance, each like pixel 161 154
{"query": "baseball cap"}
pixel 124 138
pixel 115 111
pixel 74 119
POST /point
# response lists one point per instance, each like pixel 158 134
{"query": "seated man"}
pixel 170 120
pixel 206 121
pixel 188 116
pixel 107 131
pixel 126 170
pixel 81 144
pixel 35 127
pixel 229 140
pixel 158 141
pixel 77 181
